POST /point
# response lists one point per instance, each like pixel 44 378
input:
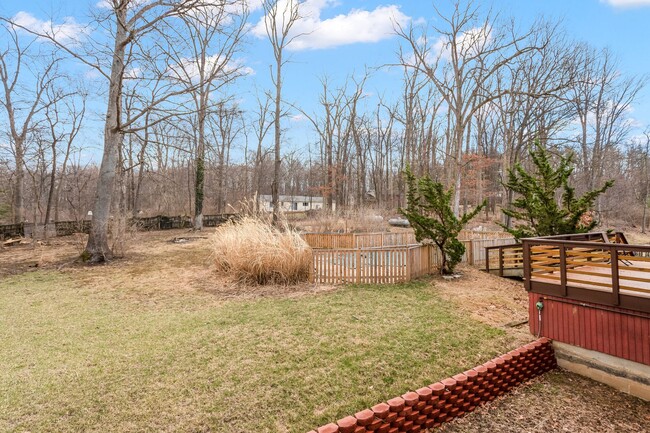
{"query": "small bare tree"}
pixel 63 121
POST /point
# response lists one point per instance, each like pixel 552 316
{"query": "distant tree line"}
pixel 477 90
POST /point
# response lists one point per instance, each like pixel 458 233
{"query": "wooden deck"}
pixel 594 267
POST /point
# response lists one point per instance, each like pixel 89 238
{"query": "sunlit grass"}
pixel 74 360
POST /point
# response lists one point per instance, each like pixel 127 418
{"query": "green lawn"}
pixel 74 358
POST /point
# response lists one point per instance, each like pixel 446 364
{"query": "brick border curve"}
pixel 429 407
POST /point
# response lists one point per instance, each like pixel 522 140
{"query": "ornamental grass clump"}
pixel 253 251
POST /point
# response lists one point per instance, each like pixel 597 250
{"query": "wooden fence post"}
pixel 408 264
pixel 501 262
pixel 311 267
pixel 358 267
pixel 527 264
pixel 470 256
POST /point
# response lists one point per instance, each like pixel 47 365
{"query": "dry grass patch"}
pixel 252 251
pixel 492 300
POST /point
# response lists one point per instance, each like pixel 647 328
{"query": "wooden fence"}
pixel 475 249
pixel 66 228
pixel 358 240
pixel 389 264
pixel 383 239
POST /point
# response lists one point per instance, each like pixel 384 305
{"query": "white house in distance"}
pixel 294 203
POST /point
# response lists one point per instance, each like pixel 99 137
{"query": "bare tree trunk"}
pixel 97 248
pixel 64 166
pixel 278 24
pixel 275 196
pixel 199 180
pixel 19 194
pixel 50 194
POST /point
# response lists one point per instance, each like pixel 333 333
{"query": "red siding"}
pixel 615 331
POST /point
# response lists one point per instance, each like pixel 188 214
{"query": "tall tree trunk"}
pixel 19 194
pixel 50 194
pixel 57 194
pixel 199 180
pixel 97 248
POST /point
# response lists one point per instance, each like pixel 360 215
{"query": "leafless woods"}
pixel 178 136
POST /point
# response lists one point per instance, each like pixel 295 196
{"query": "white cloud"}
pixel 297 118
pixel 108 4
pixel 357 26
pixel 468 44
pixel 254 5
pixel 626 3
pixel 190 68
pixel 133 73
pixel 92 74
pixel 67 32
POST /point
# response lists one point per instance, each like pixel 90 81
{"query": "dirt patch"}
pixel 498 302
pixel 30 255
pixel 158 266
pixel 558 401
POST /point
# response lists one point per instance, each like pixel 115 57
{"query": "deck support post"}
pixel 487 260
pixel 501 262
pixel 563 269
pixel 525 246
pixel 613 257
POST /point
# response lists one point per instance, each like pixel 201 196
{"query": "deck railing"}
pixel 507 260
pixel 594 267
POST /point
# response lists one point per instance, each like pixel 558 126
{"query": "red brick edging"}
pixel 429 407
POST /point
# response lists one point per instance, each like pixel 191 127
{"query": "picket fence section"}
pixel 374 261
pixel 387 265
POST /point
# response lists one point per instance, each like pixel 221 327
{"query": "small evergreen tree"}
pixel 538 211
pixel 429 211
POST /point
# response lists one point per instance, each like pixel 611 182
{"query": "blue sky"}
pixel 362 39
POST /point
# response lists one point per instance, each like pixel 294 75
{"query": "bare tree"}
pixel 278 23
pixel 262 124
pixel 601 99
pixel 214 36
pixel 129 23
pixel 462 63
pixel 63 121
pixel 24 86
pixel 329 129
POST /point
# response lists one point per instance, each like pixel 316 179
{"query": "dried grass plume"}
pixel 253 251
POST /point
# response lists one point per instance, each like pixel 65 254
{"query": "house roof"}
pixel 296 198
